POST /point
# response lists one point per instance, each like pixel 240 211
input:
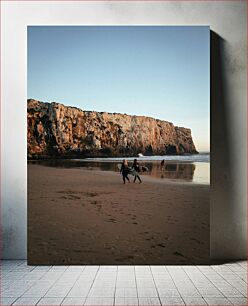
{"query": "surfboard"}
pixel 144 169
pixel 132 171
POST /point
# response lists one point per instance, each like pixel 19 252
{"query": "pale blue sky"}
pixel 157 71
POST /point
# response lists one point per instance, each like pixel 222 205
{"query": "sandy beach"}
pixel 80 216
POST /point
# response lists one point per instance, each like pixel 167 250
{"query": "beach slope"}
pixel 80 216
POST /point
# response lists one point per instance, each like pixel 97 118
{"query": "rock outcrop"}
pixel 55 131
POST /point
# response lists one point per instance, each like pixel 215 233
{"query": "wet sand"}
pixel 79 216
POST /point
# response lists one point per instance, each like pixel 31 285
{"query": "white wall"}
pixel 228 116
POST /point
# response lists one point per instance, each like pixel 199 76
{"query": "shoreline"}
pixel 147 175
pixel 116 158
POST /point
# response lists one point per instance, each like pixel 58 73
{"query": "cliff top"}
pixel 33 103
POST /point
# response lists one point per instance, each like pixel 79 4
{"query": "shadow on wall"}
pixel 222 207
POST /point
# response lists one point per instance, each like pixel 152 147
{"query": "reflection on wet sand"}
pixel 178 171
pixel 174 171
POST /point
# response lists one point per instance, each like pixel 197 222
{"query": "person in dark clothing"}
pixel 162 164
pixel 124 171
pixel 136 167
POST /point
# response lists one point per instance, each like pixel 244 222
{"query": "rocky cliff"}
pixel 55 130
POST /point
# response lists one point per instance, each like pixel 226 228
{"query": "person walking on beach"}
pixel 136 168
pixel 124 171
pixel 162 164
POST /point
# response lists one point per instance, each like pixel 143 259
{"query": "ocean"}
pixel 187 168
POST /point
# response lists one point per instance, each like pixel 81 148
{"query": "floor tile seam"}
pixel 136 285
pixel 221 267
pixel 29 287
pixel 97 298
pixel 175 285
pixel 29 269
pixel 230 283
pixel 188 297
pixel 235 267
pixel 240 276
pixel 226 289
pixel 45 291
pixel 115 284
pixel 204 298
pixel 98 268
pixel 73 286
pixel 73 283
pixel 194 283
pixel 214 285
pixel 39 298
pixel 237 298
pixel 50 298
pixel 50 267
pixel 155 286
pixel 220 273
pixel 14 300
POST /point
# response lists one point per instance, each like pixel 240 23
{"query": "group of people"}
pixel 125 170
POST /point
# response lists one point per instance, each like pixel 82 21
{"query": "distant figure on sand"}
pixel 162 164
pixel 136 167
pixel 124 171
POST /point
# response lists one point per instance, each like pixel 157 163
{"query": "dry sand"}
pixel 79 216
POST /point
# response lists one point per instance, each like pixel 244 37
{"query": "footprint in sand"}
pixel 90 194
pixel 158 245
pixel 70 197
pixel 161 245
pixel 178 254
pixel 111 220
pixel 97 204
pixel 124 258
pixel 66 191
pixel 194 239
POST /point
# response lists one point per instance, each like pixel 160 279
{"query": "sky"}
pixel 157 71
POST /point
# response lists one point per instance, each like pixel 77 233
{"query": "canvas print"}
pixel 118 145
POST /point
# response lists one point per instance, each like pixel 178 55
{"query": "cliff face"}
pixel 55 130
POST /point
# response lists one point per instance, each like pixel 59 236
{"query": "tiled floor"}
pixel 123 285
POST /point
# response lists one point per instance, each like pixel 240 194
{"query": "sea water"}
pixel 202 157
pixel 187 168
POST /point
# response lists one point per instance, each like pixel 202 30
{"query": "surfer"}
pixel 162 164
pixel 136 167
pixel 124 171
